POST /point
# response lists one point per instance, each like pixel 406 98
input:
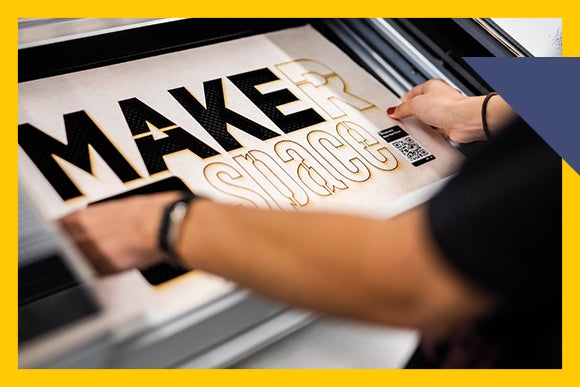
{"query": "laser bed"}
pixel 167 317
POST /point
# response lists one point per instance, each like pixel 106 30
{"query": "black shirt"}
pixel 499 223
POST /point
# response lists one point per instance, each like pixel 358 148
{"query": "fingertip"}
pixel 391 110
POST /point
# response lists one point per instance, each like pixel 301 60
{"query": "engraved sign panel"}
pixel 282 121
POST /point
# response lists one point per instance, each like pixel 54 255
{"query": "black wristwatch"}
pixel 171 222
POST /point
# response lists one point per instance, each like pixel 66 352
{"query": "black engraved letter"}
pixel 268 103
pixel 143 120
pixel 81 132
pixel 216 116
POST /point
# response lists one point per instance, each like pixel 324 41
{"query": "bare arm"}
pixel 381 271
pixel 454 115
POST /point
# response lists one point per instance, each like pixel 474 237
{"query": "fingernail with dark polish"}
pixel 391 110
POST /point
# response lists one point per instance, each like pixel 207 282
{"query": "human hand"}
pixel 121 234
pixel 454 115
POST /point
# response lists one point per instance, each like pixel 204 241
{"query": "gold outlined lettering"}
pixel 323 86
pixel 308 169
pixel 227 179
pixel 273 179
pixel 342 157
pixel 367 146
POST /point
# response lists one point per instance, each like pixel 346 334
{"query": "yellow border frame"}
pixel 297 8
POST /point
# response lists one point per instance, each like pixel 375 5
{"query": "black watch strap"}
pixel 170 226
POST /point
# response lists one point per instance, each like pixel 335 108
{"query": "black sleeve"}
pixel 499 220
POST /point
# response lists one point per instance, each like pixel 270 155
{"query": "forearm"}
pixel 468 115
pixel 454 115
pixel 369 269
pixel 382 271
pixel 499 114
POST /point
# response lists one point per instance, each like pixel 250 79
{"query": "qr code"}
pixel 410 149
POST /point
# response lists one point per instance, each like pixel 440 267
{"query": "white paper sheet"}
pixel 332 164
pixel 339 162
